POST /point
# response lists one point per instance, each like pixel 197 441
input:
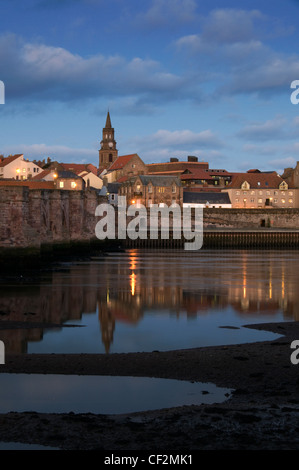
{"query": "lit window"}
pixel 260 201
pixel 73 184
pixel 291 201
pixel 150 189
pixel 173 189
pixel 283 201
pixel 61 184
pixel 291 193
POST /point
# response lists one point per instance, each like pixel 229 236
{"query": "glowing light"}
pixel 133 202
pixel 133 283
pixel 18 170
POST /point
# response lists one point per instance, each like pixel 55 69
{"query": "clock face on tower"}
pixel 110 144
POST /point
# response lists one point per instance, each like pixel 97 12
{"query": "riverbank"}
pixel 262 413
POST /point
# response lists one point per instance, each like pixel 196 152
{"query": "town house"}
pixel 149 189
pixel 256 189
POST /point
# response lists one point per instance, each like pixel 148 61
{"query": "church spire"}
pixel 108 121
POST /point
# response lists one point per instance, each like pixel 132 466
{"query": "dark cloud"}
pixel 40 72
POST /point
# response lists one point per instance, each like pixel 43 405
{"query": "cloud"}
pixel 272 129
pixel 286 162
pixel 231 43
pixel 186 138
pixel 167 12
pixel 222 27
pixel 33 71
pixel 229 26
pixel 164 144
pixel 55 152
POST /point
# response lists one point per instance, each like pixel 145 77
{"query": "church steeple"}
pixel 108 152
pixel 108 121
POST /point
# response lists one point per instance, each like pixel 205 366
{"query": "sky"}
pixel 179 77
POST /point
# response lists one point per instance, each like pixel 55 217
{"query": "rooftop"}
pixel 10 159
pixel 256 180
pixel 206 197
pixel 121 161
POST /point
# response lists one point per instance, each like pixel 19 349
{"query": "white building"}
pixel 18 168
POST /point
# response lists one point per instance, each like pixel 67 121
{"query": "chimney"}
pixel 173 159
pixel 192 159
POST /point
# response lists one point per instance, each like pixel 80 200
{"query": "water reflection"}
pixel 152 300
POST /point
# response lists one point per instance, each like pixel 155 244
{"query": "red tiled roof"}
pixel 196 174
pixel 42 175
pixel 171 166
pixel 120 162
pixel 122 179
pixel 170 172
pixel 40 184
pixel 79 167
pixel 10 159
pixel 29 183
pixel 256 180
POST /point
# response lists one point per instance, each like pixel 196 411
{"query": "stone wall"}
pixel 32 218
pixel 251 218
pixel 40 218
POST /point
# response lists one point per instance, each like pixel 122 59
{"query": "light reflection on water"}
pixel 154 300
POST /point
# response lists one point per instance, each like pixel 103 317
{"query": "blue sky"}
pixel 179 77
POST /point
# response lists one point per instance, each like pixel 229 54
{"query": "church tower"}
pixel 108 152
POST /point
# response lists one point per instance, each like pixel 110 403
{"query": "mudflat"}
pixel 261 414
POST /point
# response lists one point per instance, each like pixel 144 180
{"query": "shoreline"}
pixel 261 414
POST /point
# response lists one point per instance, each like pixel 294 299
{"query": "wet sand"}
pixel 262 413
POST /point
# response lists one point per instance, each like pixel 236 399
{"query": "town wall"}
pixel 251 218
pixel 37 218
pixel 40 219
